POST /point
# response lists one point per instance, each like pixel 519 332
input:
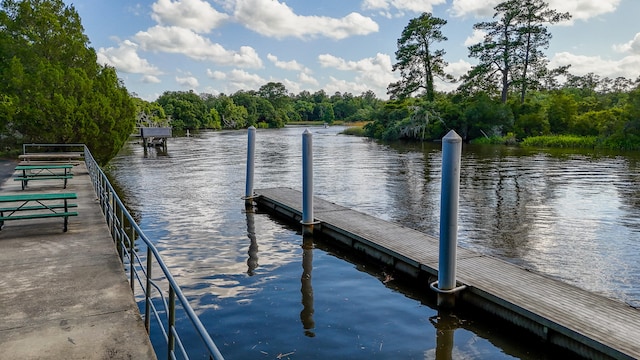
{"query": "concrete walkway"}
pixel 65 295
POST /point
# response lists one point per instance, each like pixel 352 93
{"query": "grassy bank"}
pixel 355 128
pixel 561 141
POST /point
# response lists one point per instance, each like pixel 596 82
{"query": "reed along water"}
pixel 262 293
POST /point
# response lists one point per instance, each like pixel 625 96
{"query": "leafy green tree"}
pixel 419 63
pixel 149 114
pixel 53 89
pixel 320 96
pixel 533 17
pixel 484 116
pixel 498 52
pixel 267 115
pixel 511 52
pixel 324 112
pixel 276 94
pixel 561 112
pixel 232 116
pixel 304 109
pixel 344 106
pixel 187 110
pixel 248 100
pixel 588 124
pixel 530 119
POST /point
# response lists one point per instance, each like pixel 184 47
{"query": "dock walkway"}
pixel 591 325
pixel 64 295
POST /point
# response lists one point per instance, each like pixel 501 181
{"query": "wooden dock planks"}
pixel 564 314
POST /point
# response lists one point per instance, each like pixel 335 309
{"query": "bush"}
pixel 354 130
pixel 509 139
pixel 561 141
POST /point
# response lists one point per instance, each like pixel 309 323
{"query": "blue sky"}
pixel 222 46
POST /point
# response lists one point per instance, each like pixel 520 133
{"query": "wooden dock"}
pixel 590 325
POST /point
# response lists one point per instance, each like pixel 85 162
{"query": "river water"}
pixel 260 293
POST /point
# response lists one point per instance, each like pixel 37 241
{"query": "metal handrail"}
pixel 125 237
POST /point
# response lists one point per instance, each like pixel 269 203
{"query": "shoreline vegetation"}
pixel 545 141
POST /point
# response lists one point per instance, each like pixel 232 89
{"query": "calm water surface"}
pixel 263 295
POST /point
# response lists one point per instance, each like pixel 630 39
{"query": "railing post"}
pixel 147 291
pixel 449 194
pixel 307 183
pixel 171 342
pixel 132 249
pixel 251 157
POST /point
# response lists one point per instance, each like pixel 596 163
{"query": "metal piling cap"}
pixel 452 137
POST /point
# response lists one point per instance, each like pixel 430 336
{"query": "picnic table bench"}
pixel 44 172
pixel 36 206
pixel 59 156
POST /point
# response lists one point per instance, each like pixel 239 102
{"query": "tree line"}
pixel 52 90
pixel 511 93
pixel 271 106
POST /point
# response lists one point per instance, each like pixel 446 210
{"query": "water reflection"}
pixel 306 315
pixel 445 324
pixel 572 216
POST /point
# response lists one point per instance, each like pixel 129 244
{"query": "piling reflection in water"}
pixel 445 324
pixel 306 315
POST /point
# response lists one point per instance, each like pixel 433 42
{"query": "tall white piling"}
pixel 449 194
pixel 307 183
pixel 251 158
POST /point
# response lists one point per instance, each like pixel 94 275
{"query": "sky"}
pixel 222 46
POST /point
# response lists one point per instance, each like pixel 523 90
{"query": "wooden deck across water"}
pixel 588 324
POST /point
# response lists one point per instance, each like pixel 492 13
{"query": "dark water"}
pixel 263 295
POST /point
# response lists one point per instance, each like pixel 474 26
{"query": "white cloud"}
pixel 188 81
pixel 417 6
pixel 376 4
pixel 287 65
pixel 291 86
pixel 197 15
pixel 179 40
pixel 237 79
pixel 455 69
pixel 275 19
pixel 458 68
pixel 628 67
pixel 339 85
pixel 475 8
pixel 632 46
pixel 374 73
pixel 379 62
pixel 150 79
pixel 307 79
pixel 216 75
pixel 584 9
pixel 579 9
pixel 475 38
pixel 125 58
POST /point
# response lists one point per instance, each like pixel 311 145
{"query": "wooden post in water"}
pixel 449 194
pixel 307 183
pixel 251 158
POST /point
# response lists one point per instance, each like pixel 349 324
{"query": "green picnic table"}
pixel 44 172
pixel 35 206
